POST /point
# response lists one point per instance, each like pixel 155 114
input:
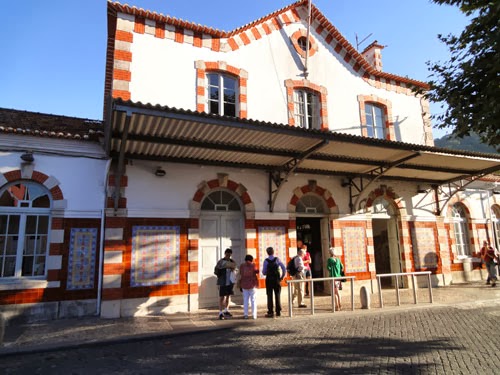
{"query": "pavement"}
pixel 63 334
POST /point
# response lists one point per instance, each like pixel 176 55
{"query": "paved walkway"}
pixel 90 331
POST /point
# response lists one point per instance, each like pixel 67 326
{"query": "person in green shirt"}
pixel 335 269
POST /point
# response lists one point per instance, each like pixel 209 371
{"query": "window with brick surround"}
pixel 222 93
pixel 306 109
pixel 376 117
pixel 307 106
pixel 24 228
pixel 375 121
pixel 460 227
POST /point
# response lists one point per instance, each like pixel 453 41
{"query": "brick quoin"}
pixel 125 95
pixel 139 25
pixel 124 36
pixel 122 75
pixel 123 55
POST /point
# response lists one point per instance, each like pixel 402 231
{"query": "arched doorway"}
pixel 221 227
pixel 313 230
pixel 386 239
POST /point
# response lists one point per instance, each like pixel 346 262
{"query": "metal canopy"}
pixel 143 131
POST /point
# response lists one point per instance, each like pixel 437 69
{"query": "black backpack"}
pixel 290 267
pixel 272 268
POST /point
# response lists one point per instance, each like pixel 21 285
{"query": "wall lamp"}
pixel 345 182
pixel 27 157
pixel 160 172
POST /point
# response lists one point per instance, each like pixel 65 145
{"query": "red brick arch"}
pixel 314 189
pixel 36 176
pixel 386 192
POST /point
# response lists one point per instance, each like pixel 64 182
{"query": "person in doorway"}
pixel 335 269
pixel 491 258
pixel 271 269
pixel 226 277
pixel 248 283
pixel 298 288
pixel 307 263
pixel 484 249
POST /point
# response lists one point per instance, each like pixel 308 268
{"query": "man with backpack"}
pixel 296 269
pixel 271 269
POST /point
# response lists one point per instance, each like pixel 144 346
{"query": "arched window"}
pixel 311 204
pixel 460 226
pixel 24 228
pixel 221 200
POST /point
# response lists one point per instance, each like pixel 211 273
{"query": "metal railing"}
pixel 396 275
pixel 311 291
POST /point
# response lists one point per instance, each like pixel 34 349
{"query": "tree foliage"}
pixel 469 82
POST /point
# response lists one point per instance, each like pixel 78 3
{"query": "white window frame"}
pixel 26 210
pixel 375 122
pixel 221 78
pixel 495 220
pixel 460 228
pixel 306 106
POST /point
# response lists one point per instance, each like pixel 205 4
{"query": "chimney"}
pixel 373 54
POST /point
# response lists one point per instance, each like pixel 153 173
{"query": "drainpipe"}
pixel 101 241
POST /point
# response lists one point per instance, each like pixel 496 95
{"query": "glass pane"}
pixel 6 199
pixel 229 84
pixel 14 224
pixel 29 245
pixel 31 222
pixel 39 266
pixel 41 245
pixel 229 110
pixel 27 269
pixel 213 107
pixel 11 248
pixel 213 79
pixel 3 223
pixel 9 267
pixel 41 202
pixel 43 224
pixel 230 97
pixel 214 93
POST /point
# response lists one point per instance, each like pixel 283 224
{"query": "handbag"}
pixel 342 274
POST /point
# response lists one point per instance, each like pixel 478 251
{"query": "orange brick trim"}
pixel 321 91
pixel 313 46
pixel 202 67
pixel 312 188
pixel 387 108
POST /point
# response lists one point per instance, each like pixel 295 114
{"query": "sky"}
pixel 53 52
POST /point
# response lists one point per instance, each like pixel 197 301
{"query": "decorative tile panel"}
pixel 272 237
pixel 155 255
pixel 82 258
pixel 354 239
pixel 424 248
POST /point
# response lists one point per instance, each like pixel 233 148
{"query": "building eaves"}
pixel 20 122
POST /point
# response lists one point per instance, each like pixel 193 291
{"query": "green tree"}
pixel 469 82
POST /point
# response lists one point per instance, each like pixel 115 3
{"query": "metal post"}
pixel 311 293
pixel 352 294
pixel 333 295
pixel 290 300
pixel 429 286
pixel 397 290
pixel 380 292
pixel 414 289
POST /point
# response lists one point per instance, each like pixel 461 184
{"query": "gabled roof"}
pixel 323 27
pixel 18 122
